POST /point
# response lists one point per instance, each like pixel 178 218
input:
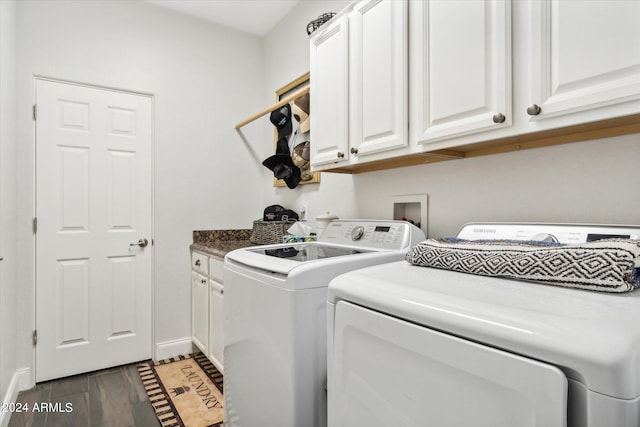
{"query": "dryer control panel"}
pixel 562 233
pixel 384 235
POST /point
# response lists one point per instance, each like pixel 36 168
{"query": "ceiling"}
pixel 256 17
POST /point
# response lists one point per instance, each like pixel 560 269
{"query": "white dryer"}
pixel 275 319
pixel 416 346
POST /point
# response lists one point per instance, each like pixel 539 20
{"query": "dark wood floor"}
pixel 113 397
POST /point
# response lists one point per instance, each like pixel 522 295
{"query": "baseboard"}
pixel 167 349
pixel 21 380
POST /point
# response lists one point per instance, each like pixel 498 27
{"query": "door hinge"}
pixel 35 112
pixel 35 337
pixel 35 225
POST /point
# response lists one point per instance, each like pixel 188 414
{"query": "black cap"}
pixel 287 215
pixel 282 164
pixel 282 252
pixel 281 119
pixel 283 168
pixel 270 212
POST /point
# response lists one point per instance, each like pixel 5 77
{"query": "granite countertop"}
pixel 219 242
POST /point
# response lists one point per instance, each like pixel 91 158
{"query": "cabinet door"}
pixel 460 68
pixel 216 341
pixel 199 311
pixel 329 93
pixel 378 74
pixel 585 56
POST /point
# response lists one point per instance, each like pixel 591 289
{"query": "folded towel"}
pixel 610 265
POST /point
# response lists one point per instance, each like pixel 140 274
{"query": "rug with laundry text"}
pixel 185 391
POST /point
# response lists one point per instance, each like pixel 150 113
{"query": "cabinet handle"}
pixel 534 110
pixel 340 155
pixel 354 150
pixel 204 281
pixel 499 118
pixel 197 263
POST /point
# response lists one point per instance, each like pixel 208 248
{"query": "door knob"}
pixel 142 243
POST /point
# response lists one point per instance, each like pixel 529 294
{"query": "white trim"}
pixel 167 349
pixel 21 380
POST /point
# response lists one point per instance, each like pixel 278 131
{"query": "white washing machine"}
pixel 416 346
pixel 275 319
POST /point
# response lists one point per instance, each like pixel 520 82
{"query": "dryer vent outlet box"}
pixel 412 208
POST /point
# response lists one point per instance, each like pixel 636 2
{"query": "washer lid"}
pixel 593 337
pixel 282 258
pixel 307 251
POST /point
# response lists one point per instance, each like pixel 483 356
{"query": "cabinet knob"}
pixel 354 150
pixel 499 118
pixel 534 110
pixel 340 155
pixel 197 263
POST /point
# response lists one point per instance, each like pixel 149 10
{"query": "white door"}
pixel 329 88
pixel 93 207
pixel 585 55
pixel 199 311
pixel 460 68
pixel 216 321
pixel 378 76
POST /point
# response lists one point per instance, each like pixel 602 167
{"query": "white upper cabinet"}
pixel 396 83
pixel 585 57
pixel 460 68
pixel 378 74
pixel 359 84
pixel 329 59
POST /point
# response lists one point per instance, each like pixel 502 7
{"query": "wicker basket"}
pixel 269 232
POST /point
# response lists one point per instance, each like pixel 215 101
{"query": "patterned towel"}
pixel 610 265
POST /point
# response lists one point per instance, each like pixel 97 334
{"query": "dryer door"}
pixel 390 372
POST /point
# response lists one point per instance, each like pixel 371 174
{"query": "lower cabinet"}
pixel 216 343
pixel 206 306
pixel 199 311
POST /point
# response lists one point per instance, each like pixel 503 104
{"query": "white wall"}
pixel 585 182
pixel 593 182
pixel 286 53
pixel 8 283
pixel 204 79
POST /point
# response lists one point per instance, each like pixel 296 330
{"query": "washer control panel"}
pixel 372 234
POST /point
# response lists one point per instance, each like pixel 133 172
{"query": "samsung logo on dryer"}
pixel 484 230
